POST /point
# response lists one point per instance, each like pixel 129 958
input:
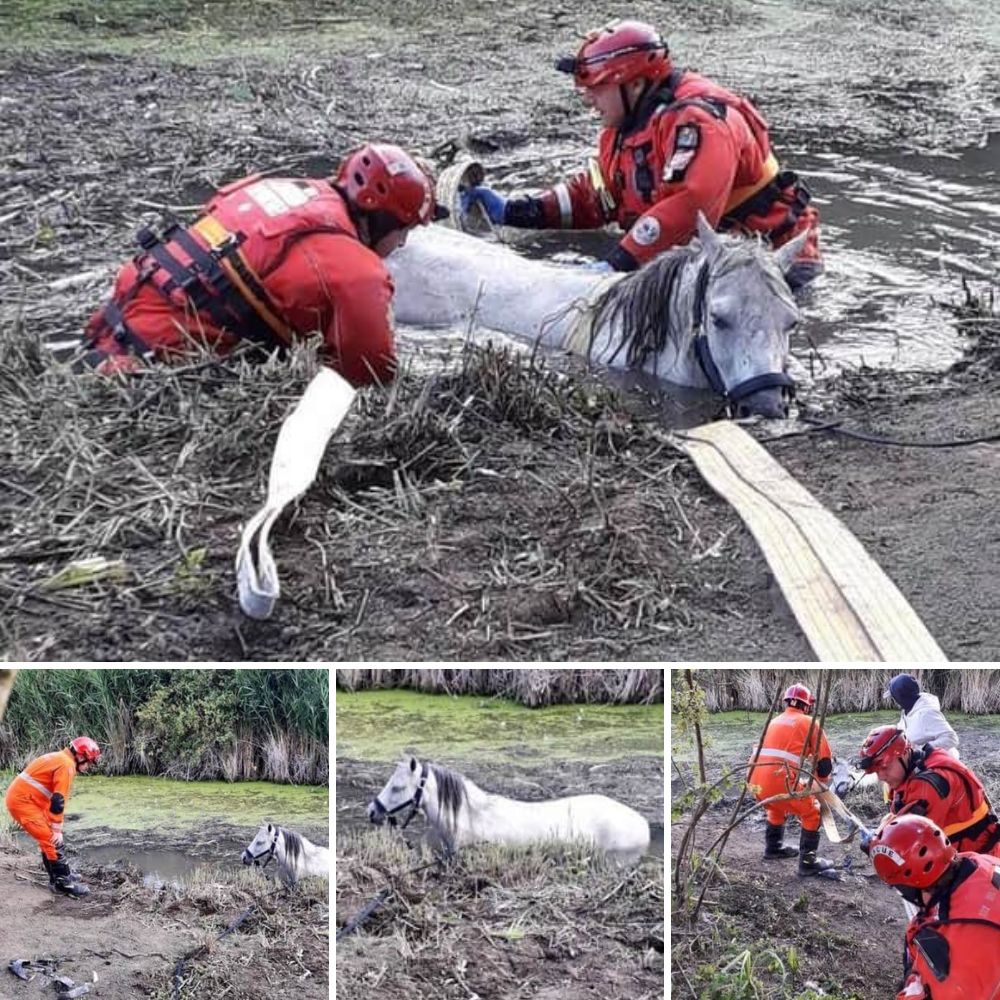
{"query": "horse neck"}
pixel 475 800
pixel 676 361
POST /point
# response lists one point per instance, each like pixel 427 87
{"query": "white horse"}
pixel 844 778
pixel 462 813
pixel 296 857
pixel 714 314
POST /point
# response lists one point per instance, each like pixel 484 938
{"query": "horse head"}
pixel 261 849
pixel 746 312
pixel 404 788
pixel 716 313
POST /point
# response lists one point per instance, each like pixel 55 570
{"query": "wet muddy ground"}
pixel 890 112
pixel 847 936
pixel 126 937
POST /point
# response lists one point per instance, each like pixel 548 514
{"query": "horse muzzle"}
pixel 772 402
pixel 248 858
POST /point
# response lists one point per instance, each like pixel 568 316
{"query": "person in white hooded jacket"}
pixel 921 718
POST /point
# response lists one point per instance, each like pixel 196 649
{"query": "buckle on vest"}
pixel 147 238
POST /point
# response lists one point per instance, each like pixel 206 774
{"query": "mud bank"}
pixel 126 938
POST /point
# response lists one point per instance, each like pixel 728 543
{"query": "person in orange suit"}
pixel 774 771
pixel 272 260
pixel 929 782
pixel 37 799
pixel 953 940
pixel 673 143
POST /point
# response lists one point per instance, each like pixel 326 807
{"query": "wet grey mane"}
pixel 648 303
pixel 452 794
pixel 294 848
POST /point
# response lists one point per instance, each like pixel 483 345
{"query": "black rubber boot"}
pixel 809 863
pixel 774 836
pixel 63 881
pixel 48 869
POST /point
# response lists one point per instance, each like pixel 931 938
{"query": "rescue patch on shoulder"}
pixel 686 143
pixel 688 137
pixel 646 231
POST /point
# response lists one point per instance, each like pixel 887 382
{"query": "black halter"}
pixel 380 810
pixel 703 353
pixel 269 852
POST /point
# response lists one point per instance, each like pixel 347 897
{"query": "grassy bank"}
pixel 530 687
pixel 381 725
pixel 233 725
pixel 499 922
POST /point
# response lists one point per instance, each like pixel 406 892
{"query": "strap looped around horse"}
pixel 269 851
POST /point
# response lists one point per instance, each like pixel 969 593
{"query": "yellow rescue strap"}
pixel 745 193
pixel 217 237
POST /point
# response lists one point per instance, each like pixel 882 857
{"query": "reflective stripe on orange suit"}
pixel 968 918
pixel 953 813
pixel 318 281
pixel 30 808
pixel 778 775
pixel 733 155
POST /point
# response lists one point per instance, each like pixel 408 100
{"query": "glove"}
pixel 865 841
pixel 598 266
pixel 493 204
pixel 57 834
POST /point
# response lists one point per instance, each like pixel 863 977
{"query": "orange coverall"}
pixel 775 771
pixel 31 807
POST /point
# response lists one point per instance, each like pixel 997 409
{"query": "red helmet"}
pixel 882 745
pixel 379 177
pixel 801 694
pixel 620 52
pixel 84 748
pixel 911 850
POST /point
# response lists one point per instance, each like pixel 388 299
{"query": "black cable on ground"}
pixel 834 427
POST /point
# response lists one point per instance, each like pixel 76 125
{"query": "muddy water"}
pixel 890 111
pixel 170 829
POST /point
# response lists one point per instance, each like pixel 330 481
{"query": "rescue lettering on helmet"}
pixel 893 856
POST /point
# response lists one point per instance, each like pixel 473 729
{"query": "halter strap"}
pixel 380 810
pixel 702 351
pixel 268 851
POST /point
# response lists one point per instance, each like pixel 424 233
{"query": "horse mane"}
pixel 294 848
pixel 646 302
pixel 453 793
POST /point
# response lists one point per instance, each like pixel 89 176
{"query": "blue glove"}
pixel 494 205
pixel 866 840
pixel 599 266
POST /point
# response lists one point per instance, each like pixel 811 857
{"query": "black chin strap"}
pixel 730 394
pixel 269 852
pixel 380 810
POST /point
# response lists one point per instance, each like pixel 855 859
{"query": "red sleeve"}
pixel 572 204
pixel 336 285
pixel 704 179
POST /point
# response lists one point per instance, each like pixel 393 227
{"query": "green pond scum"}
pixel 136 802
pixel 382 725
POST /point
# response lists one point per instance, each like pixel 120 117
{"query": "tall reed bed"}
pixel 529 686
pixel 199 724
pixel 972 690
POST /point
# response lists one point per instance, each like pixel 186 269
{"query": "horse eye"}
pixel 396 788
pixel 719 321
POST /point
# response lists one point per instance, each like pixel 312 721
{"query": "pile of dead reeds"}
pixel 967 690
pixel 530 687
pixel 542 913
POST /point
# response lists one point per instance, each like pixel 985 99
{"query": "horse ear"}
pixel 786 255
pixel 708 236
pixel 413 763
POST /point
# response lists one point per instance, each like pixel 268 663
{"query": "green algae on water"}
pixel 381 725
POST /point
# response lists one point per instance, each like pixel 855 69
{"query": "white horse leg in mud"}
pixel 463 813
